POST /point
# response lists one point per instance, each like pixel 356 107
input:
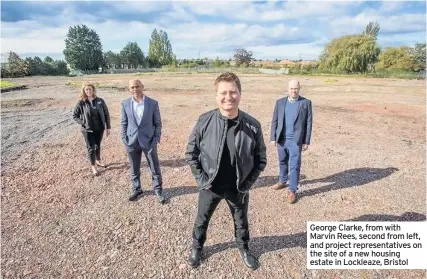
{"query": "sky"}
pixel 270 29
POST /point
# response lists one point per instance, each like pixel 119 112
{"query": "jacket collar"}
pixel 224 118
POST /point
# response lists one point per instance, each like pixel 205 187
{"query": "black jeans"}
pixel 238 204
pixel 93 145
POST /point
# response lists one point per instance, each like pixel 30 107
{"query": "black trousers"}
pixel 93 145
pixel 238 204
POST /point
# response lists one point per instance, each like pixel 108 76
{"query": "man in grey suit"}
pixel 291 133
pixel 141 131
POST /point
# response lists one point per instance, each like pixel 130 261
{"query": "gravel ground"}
pixel 366 162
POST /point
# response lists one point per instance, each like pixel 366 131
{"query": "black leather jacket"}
pixel 206 144
pixel 81 114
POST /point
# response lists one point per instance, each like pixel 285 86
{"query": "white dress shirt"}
pixel 138 109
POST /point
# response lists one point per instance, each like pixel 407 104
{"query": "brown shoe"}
pixel 280 185
pixel 292 197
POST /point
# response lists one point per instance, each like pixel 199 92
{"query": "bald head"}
pixel 136 88
pixel 293 88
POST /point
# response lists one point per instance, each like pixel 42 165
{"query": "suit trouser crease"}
pixel 153 166
pixel 208 202
pixel 289 160
pixel 93 145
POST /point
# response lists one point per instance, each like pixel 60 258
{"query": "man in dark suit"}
pixel 291 133
pixel 141 130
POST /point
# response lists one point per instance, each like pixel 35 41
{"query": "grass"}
pixel 9 86
pixel 394 73
pixel 98 85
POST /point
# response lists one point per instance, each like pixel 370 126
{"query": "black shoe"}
pixel 249 259
pixel 162 199
pixel 195 257
pixel 135 195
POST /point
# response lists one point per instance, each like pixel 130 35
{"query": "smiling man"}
pixel 226 153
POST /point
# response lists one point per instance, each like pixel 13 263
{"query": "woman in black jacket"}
pixel 91 113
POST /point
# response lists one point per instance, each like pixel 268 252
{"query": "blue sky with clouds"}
pixel 270 29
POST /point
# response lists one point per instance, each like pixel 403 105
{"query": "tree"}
pixel 242 57
pixel 16 67
pixel 372 29
pixel 166 54
pixel 174 61
pixel 217 62
pixel 419 55
pixel 48 59
pixel 110 59
pixel 35 66
pixel 40 66
pixel 404 57
pixel 119 61
pixel 351 53
pixel 396 58
pixel 160 49
pixel 83 48
pixel 31 66
pixel 60 68
pixel 132 55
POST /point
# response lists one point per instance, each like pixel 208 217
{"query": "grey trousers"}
pixel 153 165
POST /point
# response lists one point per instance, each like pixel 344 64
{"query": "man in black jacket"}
pixel 226 153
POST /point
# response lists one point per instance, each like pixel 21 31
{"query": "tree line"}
pixel 31 66
pixel 360 53
pixel 84 51
pixel 357 53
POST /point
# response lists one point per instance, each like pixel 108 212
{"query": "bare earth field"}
pixel 366 163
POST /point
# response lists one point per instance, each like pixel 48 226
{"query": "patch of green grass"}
pixel 393 73
pixel 8 86
pixel 72 83
pixel 98 85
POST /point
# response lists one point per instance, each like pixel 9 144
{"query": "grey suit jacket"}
pixel 303 121
pixel 147 132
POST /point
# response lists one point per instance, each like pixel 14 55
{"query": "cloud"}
pixel 307 51
pixel 307 9
pixel 409 39
pixel 389 24
pixel 271 29
pixel 269 11
pixel 12 11
pixel 391 6
pixel 31 36
pixel 240 34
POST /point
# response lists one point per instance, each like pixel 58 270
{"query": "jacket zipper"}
pixel 220 153
pixel 236 158
pixel 237 168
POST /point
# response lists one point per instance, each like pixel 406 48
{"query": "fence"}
pixel 422 74
pixel 201 69
pixel 282 71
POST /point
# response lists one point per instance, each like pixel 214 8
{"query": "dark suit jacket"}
pixel 303 121
pixel 148 131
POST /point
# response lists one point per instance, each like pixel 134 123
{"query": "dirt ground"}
pixel 366 162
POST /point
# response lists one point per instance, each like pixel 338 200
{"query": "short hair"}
pixel 228 77
pixel 82 94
